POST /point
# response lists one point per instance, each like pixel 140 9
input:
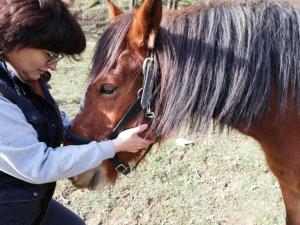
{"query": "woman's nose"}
pixel 53 66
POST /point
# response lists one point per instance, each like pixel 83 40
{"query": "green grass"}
pixel 222 179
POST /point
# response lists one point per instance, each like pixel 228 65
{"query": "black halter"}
pixel 150 68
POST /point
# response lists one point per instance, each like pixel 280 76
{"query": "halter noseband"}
pixel 150 69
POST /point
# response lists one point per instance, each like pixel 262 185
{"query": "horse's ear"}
pixel 113 10
pixel 145 24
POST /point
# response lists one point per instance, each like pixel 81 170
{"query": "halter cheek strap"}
pixel 150 68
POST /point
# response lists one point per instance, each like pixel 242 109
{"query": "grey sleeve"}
pixel 23 156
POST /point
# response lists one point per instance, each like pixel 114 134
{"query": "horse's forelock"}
pixel 110 45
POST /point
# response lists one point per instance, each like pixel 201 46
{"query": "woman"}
pixel 34 35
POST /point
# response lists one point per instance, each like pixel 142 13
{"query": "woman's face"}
pixel 30 63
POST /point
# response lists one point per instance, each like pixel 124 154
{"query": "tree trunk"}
pixel 132 4
pixel 176 4
pixel 170 4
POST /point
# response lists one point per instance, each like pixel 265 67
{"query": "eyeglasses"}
pixel 53 57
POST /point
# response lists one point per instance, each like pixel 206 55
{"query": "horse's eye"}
pixel 107 89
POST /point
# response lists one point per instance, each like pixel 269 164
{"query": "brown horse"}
pixel 234 63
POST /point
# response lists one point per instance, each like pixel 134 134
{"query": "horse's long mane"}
pixel 221 62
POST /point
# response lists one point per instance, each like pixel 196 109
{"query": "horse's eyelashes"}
pixel 107 89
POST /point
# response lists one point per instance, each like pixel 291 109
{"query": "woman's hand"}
pixel 130 141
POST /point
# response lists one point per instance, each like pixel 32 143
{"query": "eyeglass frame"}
pixel 53 57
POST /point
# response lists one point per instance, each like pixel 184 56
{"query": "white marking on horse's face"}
pixel 81 104
pixel 94 179
pixel 151 40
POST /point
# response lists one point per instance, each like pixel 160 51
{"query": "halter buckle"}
pixel 149 114
pixel 121 168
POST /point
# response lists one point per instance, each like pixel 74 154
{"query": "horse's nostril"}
pixel 71 179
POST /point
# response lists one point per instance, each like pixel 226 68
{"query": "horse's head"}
pixel 116 78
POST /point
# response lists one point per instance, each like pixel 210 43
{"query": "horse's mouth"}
pixel 93 179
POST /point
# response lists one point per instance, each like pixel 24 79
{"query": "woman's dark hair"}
pixel 43 24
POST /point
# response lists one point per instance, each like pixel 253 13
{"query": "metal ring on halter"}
pixel 140 92
pixel 145 64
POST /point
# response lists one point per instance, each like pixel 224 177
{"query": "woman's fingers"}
pixel 138 129
pixel 130 141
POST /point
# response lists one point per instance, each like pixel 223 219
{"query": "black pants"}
pixel 60 215
pixel 22 203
